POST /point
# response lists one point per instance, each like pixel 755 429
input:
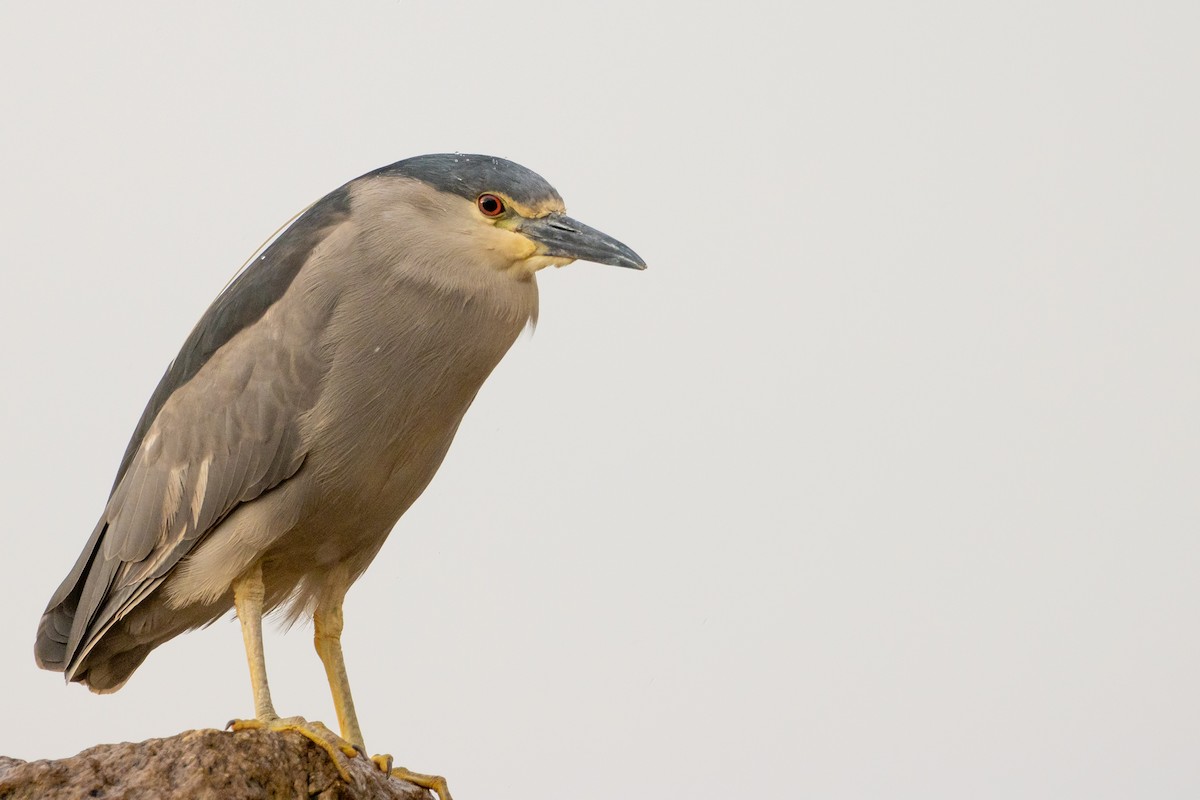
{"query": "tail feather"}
pixel 104 677
pixel 52 649
pixel 111 655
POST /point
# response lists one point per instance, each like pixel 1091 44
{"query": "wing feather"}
pixel 221 429
pixel 208 460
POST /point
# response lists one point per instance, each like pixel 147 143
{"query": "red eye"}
pixel 490 205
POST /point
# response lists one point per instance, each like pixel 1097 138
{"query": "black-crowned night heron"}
pixel 307 410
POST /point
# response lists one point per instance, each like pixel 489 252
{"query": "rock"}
pixel 203 765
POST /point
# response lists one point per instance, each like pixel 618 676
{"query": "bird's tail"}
pixel 57 634
pixel 50 649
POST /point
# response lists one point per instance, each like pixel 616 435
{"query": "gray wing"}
pixel 242 304
pixel 220 430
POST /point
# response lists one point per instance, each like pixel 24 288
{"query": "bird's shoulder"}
pixel 247 298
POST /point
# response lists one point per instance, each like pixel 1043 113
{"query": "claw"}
pixel 434 783
pixel 339 749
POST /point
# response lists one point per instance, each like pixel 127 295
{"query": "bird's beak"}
pixel 560 236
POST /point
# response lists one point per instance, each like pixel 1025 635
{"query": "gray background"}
pixel 881 482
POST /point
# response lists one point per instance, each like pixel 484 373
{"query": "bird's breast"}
pixel 404 367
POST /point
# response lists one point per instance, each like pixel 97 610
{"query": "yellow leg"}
pixel 327 637
pixel 248 595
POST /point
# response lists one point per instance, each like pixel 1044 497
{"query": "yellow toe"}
pixel 339 750
pixel 435 783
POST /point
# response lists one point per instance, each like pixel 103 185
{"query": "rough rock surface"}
pixel 199 765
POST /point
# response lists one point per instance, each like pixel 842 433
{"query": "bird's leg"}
pixel 248 597
pixel 248 594
pixel 327 637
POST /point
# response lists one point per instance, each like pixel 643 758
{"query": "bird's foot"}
pixel 435 783
pixel 339 750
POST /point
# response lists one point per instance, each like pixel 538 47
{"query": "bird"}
pixel 304 414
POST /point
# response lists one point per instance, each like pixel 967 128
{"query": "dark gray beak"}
pixel 564 237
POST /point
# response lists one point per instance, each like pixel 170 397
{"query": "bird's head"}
pixel 509 215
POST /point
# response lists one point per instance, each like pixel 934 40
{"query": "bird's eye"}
pixel 490 205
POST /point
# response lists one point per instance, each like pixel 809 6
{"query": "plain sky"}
pixel 882 481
